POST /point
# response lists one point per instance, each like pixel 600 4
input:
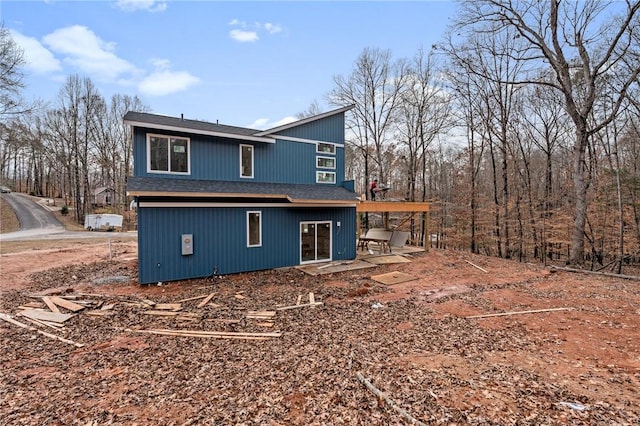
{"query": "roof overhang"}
pixel 199 132
pixel 285 199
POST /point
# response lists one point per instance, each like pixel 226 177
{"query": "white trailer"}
pixel 102 222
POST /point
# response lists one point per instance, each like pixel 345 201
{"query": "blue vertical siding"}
pixel 330 129
pixel 219 159
pixel 219 240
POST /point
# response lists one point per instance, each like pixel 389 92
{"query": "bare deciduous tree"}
pixel 579 42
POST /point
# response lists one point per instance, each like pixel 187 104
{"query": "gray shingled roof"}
pixel 164 120
pixel 160 186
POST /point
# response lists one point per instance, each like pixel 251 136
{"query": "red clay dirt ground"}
pixel 412 341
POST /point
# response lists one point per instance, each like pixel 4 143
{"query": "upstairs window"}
pixel 168 154
pixel 326 148
pixel 325 162
pixel 325 177
pixel 246 161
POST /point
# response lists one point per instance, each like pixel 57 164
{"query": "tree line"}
pixel 521 126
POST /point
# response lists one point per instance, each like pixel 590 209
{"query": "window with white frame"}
pixel 325 162
pixel 326 148
pixel 168 154
pixel 246 161
pixel 325 177
pixel 254 228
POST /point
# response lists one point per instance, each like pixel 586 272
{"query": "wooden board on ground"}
pixel 52 306
pixel 335 267
pixel 393 278
pixel 46 316
pixel 67 304
pixel 387 259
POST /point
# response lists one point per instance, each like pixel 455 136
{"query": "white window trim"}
pixel 316 223
pixel 259 213
pixel 326 158
pixel 325 182
pixel 324 152
pixel 168 137
pixel 252 161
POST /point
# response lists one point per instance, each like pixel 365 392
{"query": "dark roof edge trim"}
pixel 253 138
pixel 304 121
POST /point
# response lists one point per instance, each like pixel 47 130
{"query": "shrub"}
pixel 64 210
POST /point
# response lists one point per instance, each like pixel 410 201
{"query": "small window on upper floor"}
pixel 246 161
pixel 325 177
pixel 325 162
pixel 168 154
pixel 326 148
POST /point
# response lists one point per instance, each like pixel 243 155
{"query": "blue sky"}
pixel 250 64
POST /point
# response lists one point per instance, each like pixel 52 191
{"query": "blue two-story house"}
pixel 218 199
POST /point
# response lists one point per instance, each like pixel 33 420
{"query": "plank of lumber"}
pixel 8 318
pixel 285 308
pixel 533 311
pixel 261 313
pixel 46 316
pixel 606 274
pixel 189 299
pixel 148 302
pixel 206 300
pixel 377 392
pixel 52 306
pixel 99 313
pixel 299 299
pixel 210 334
pixel 168 306
pixel 476 266
pixel 312 299
pixel 45 324
pixel 161 313
pixel 67 304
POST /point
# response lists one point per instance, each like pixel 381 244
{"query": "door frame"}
pixel 315 222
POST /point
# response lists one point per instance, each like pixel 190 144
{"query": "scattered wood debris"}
pixel 382 397
pixel 534 311
pixel 312 303
pixel 206 300
pixel 476 266
pixel 64 303
pixel 46 316
pixel 9 319
pixel 210 334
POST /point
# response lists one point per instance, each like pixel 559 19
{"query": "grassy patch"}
pixel 8 220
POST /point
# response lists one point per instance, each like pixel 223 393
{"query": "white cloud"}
pixel 84 50
pixel 286 120
pixel 264 123
pixel 38 59
pixel 163 81
pixel 260 124
pixel 243 36
pixel 248 33
pixel 148 5
pixel 272 28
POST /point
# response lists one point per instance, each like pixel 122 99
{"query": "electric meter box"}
pixel 187 244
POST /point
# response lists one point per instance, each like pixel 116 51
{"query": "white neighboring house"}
pixel 103 196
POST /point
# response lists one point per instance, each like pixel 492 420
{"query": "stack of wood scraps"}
pixel 312 303
pixel 265 317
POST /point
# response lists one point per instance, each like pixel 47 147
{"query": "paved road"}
pixel 37 222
